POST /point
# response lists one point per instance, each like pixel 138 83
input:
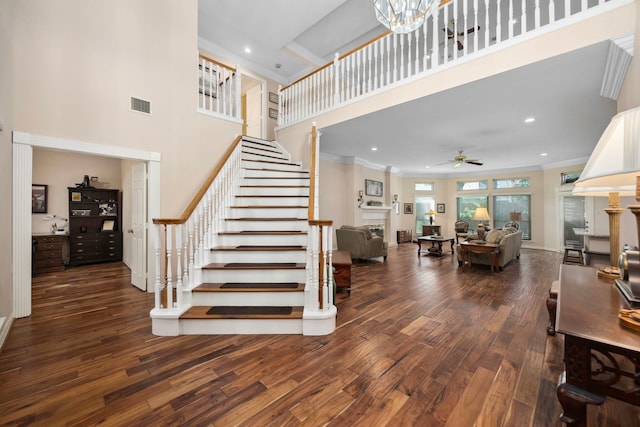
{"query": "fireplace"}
pixel 376 229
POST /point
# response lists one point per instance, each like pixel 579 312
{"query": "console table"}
pixel 602 358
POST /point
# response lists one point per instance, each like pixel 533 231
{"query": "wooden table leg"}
pixel 419 242
pixel 574 402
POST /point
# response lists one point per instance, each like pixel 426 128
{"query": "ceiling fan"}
pixel 461 158
pixel 451 33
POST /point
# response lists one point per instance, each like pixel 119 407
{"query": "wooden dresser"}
pixel 404 236
pixel 48 254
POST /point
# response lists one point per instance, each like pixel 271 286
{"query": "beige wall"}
pixel 6 123
pixel 79 64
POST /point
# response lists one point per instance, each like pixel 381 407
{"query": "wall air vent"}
pixel 140 105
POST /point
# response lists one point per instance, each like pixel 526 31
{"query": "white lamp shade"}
pixel 615 162
pixel 481 214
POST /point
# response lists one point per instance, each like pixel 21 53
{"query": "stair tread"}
pixel 261 232
pixel 281 157
pixel 266 219
pixel 255 266
pixel 272 195
pixel 274 170
pixel 250 287
pixel 269 207
pixel 271 162
pixel 259 248
pixel 200 312
pixel 277 177
pixel 274 186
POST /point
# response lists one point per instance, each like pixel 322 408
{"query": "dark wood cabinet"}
pixel 94 226
pixel 404 236
pixel 48 252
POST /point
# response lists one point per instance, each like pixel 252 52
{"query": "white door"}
pixel 138 224
pixel 254 112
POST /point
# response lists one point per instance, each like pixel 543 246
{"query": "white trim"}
pixel 22 173
pixel 218 115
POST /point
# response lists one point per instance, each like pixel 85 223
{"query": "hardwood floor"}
pixel 420 342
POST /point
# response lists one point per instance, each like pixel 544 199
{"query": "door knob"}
pixel 130 231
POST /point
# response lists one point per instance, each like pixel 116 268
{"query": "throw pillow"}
pixel 509 230
pixel 367 232
pixel 494 236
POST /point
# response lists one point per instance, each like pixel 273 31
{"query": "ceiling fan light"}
pixel 403 16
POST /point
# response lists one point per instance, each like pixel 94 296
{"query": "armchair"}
pixel 462 229
pixel 360 243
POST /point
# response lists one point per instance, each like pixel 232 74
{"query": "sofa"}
pixel 360 242
pixel 510 241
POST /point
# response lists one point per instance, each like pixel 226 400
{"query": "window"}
pixel 504 205
pixel 511 183
pixel 466 206
pixel 472 185
pixel 424 186
pixel 569 177
pixel 423 205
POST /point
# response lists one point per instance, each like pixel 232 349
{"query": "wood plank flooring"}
pixel 420 342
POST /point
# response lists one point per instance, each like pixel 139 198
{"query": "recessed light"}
pixel 543 154
pixel 529 120
pixel 427 167
pixel 374 148
pixel 247 49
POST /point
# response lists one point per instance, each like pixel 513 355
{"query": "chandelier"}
pixel 403 16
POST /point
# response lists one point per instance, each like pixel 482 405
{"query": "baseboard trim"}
pixel 5 327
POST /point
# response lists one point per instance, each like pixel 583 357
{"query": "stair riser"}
pixel 258 256
pixel 253 276
pixel 248 154
pixel 240 326
pixel 275 299
pixel 276 181
pixel 248 173
pixel 234 240
pixel 268 165
pixel 273 191
pixel 268 213
pixel 271 201
pixel 256 145
pixel 231 225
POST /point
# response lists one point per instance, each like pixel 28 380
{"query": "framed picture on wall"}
pixel 273 97
pixel 372 188
pixel 440 208
pixel 273 113
pixel 38 198
pixel 408 208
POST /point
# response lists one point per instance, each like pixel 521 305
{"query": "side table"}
pixel 467 248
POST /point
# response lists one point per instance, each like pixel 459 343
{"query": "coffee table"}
pixel 479 247
pixel 436 244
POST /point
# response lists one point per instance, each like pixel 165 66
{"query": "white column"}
pixel 22 176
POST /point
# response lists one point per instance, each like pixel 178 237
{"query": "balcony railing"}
pixel 218 89
pixel 458 29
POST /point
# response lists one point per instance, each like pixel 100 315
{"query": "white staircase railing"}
pixel 458 29
pixel 218 89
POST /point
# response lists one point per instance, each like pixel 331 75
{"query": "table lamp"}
pixel 481 215
pixel 613 170
pixel 431 213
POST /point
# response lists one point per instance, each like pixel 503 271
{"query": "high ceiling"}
pixel 484 118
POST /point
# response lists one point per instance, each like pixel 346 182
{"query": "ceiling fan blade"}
pixel 474 162
pixel 472 29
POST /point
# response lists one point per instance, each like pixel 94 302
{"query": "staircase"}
pixel 253 277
